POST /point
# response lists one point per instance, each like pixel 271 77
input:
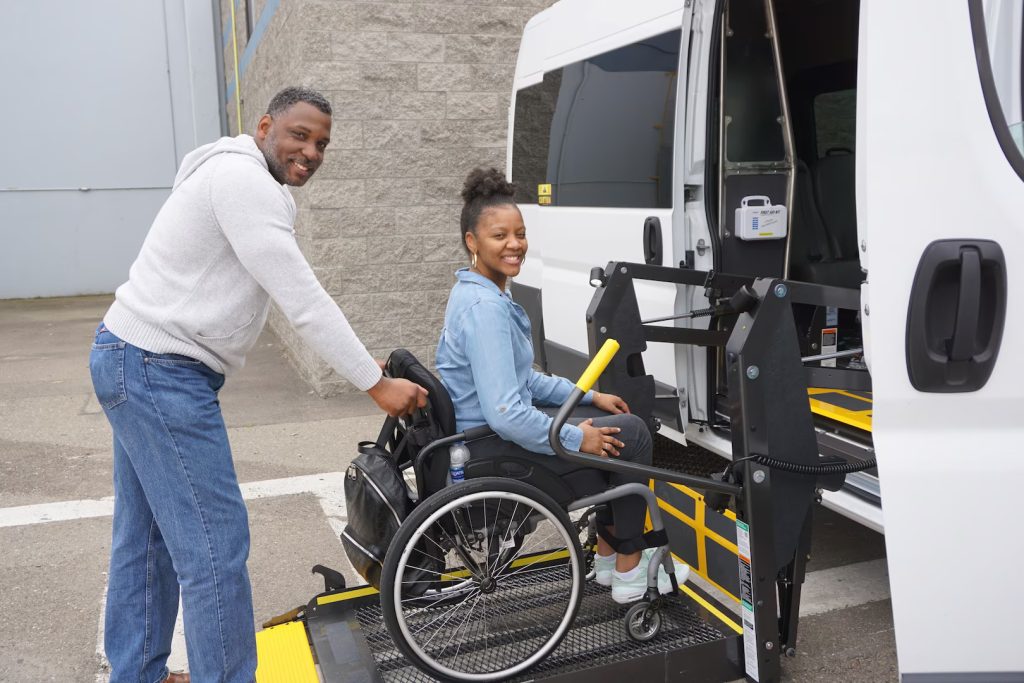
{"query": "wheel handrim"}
pixel 528 587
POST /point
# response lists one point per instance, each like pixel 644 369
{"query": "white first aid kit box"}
pixel 763 221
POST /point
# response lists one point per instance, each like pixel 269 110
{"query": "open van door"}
pixel 594 153
pixel 940 186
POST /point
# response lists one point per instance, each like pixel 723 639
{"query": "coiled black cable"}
pixel 810 470
pixel 827 468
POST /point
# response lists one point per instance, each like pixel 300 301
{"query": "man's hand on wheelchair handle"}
pixel 398 396
pixel 599 440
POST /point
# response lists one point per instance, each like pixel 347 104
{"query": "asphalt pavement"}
pixel 291 448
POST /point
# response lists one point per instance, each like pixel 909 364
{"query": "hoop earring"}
pixel 473 261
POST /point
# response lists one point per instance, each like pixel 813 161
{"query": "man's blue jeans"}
pixel 179 519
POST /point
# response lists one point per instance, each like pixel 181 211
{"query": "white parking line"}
pixel 328 487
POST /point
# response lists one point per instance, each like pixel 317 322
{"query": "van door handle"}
pixel 965 327
pixel 652 240
pixel 956 315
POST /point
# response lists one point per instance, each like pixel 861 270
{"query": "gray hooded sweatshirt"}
pixel 221 247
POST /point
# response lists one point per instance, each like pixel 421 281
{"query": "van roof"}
pixel 572 30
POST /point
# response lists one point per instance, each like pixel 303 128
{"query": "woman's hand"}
pixel 610 403
pixel 599 440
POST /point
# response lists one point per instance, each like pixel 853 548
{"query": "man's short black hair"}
pixel 295 94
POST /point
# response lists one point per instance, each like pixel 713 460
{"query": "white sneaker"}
pixel 603 568
pixel 625 591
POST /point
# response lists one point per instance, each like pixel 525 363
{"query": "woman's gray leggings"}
pixel 627 513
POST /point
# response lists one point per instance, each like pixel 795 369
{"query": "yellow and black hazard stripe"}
pixel 703 539
pixel 852 408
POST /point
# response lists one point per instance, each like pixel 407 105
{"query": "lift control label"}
pixel 747 600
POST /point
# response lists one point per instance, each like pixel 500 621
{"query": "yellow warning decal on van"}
pixel 544 190
pixel 544 201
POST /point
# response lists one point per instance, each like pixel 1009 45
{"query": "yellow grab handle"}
pixel 597 365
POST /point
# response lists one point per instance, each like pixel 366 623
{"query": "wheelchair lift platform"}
pixel 746 531
pixel 347 639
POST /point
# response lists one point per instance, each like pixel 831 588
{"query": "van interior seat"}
pixel 835 190
pixel 815 255
pixel 810 243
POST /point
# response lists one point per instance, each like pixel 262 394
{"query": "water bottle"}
pixel 458 456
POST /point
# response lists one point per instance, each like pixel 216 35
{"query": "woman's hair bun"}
pixel 484 183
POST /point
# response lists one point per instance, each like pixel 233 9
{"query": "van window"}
pixel 835 121
pixel 602 127
pixel 752 102
pixel 997 27
pixel 535 107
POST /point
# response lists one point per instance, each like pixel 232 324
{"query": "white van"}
pixel 883 137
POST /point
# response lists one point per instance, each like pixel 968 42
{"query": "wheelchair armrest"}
pixel 474 433
pixel 420 461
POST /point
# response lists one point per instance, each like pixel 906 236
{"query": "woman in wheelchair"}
pixel 485 359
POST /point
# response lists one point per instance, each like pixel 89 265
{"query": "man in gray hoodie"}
pixel 197 297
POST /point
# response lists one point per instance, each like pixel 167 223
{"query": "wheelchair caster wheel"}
pixel 642 621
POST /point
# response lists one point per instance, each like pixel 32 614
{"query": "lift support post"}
pixel 771 421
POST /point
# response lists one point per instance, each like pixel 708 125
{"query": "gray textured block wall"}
pixel 420 92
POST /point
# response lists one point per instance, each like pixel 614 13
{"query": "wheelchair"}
pixel 484 577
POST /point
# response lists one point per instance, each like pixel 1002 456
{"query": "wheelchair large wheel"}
pixel 505 573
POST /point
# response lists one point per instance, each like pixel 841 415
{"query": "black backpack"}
pixel 376 494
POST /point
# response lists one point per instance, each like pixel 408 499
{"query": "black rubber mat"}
pixel 691 459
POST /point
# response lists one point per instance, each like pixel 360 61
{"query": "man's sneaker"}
pixel 603 568
pixel 626 591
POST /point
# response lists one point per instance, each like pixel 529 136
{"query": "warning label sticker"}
pixel 544 194
pixel 747 600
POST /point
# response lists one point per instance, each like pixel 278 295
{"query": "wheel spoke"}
pixel 438 601
pixel 424 569
pixel 518 553
pixel 441 617
pixel 487 541
pixel 460 549
pixel 476 599
pixel 451 612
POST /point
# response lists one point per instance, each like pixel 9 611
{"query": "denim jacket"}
pixel 485 359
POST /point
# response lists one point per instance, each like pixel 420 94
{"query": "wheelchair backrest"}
pixel 405 437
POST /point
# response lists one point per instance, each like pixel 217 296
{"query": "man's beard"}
pixel 276 168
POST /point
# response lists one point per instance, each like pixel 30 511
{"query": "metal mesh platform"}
pixel 691 459
pixel 597 636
